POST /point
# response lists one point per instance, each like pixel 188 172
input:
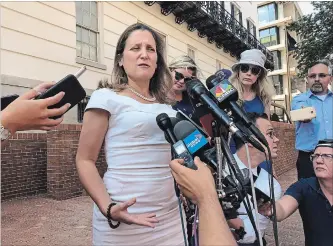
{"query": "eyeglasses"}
pixel 255 70
pixel 271 134
pixel 180 76
pixel 325 157
pixel 320 75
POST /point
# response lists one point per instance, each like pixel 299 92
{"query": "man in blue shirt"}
pixel 313 197
pixel 308 133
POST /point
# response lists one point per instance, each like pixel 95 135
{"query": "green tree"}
pixel 316 36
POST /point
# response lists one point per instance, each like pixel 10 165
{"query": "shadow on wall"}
pixel 39 163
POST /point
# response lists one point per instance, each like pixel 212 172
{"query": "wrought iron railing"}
pixel 211 20
pixel 217 12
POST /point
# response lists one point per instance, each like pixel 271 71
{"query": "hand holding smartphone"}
pixel 74 92
pixel 303 114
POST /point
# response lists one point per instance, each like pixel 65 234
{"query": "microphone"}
pixel 164 123
pixel 181 116
pixel 174 121
pixel 197 90
pixel 227 95
pixel 195 142
pixel 199 146
pixel 249 136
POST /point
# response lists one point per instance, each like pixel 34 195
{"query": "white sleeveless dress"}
pixel 138 158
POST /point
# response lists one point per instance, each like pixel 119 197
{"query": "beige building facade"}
pixel 45 41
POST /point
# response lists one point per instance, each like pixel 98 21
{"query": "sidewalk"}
pixel 41 221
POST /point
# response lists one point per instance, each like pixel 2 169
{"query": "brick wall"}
pixel 23 166
pixel 34 163
pixel 287 155
pixel 62 179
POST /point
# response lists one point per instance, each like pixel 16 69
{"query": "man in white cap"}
pixel 313 197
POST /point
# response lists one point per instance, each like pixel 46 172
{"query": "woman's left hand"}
pixel 119 213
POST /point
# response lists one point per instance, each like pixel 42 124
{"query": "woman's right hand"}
pixel 119 213
pixel 265 209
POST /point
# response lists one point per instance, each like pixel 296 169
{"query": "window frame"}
pixel 251 27
pixel 189 49
pixel 219 65
pixel 269 16
pixel 280 85
pixel 278 56
pixel 236 9
pixel 82 27
pixel 270 39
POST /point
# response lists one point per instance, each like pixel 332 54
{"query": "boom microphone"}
pixel 197 90
pixel 227 95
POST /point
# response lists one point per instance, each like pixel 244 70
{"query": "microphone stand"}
pixel 220 158
pixel 234 168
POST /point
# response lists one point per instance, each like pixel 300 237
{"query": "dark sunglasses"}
pixel 320 75
pixel 180 76
pixel 255 70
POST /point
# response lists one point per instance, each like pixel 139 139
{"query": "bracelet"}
pixel 109 218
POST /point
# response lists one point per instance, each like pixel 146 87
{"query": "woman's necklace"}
pixel 153 99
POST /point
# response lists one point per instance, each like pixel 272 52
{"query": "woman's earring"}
pixel 120 63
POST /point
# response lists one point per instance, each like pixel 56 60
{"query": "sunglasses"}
pixel 180 76
pixel 320 75
pixel 255 70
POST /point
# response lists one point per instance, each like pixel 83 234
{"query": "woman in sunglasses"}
pixel 183 68
pixel 250 79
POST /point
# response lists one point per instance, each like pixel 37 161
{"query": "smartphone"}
pixel 74 92
pixel 6 100
pixel 303 114
pixel 183 153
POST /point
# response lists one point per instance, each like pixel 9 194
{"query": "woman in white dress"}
pixel 137 190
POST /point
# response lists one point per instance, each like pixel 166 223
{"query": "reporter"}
pixel 313 197
pixel 198 185
pixel 27 114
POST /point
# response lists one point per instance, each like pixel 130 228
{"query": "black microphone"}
pixel 197 90
pixel 195 142
pixel 182 116
pixel 164 123
pixel 249 136
pixel 174 121
pixel 197 145
pixel 227 95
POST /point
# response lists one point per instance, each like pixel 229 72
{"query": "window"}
pixel 278 84
pixel 267 13
pixel 269 36
pixel 251 28
pixel 220 11
pixel 277 59
pixel 191 53
pixel 236 13
pixel 86 30
pixel 81 106
pixel 218 65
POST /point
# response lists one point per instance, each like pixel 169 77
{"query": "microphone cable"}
pixel 253 193
pixel 179 203
pixel 272 195
pixel 233 166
